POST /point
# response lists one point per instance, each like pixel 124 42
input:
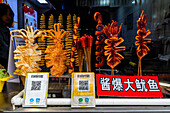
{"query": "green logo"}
pixel 80 100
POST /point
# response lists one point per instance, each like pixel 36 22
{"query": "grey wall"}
pixel 123 13
pixel 156 22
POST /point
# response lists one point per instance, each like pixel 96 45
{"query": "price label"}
pixel 36 90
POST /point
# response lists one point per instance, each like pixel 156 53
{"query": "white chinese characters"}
pixel 140 85
pixel 153 86
pixel 117 84
pixel 129 85
pixel 105 84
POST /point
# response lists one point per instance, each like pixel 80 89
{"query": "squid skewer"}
pixel 27 55
pixel 141 40
pixel 55 54
pixel 113 58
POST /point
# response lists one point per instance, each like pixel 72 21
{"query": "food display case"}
pixel 99 55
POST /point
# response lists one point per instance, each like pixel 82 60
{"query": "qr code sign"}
pixel 83 85
pixel 36 85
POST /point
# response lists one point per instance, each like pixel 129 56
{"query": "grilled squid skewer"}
pixel 141 40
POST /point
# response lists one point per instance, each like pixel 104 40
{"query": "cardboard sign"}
pixel 83 90
pixel 128 86
pixel 36 88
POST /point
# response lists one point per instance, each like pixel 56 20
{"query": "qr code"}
pixel 36 85
pixel 83 85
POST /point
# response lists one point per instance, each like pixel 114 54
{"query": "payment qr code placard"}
pixel 35 91
pixel 83 90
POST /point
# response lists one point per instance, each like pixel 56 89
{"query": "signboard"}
pixel 30 17
pixel 36 87
pixel 128 86
pixel 83 90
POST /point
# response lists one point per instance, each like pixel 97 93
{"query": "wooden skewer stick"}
pixel 88 58
pixel 80 54
pixel 112 71
pixel 140 68
pixel 90 41
pixel 80 57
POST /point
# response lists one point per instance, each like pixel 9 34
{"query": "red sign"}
pixel 28 10
pixel 128 86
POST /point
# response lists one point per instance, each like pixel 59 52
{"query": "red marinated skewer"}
pixel 100 41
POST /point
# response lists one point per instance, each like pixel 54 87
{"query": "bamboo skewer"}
pixel 112 71
pixel 80 54
pixel 90 41
pixel 88 59
pixel 139 68
pixel 80 57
